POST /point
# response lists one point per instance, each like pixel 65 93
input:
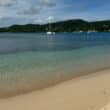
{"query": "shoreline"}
pixel 52 84
pixel 89 92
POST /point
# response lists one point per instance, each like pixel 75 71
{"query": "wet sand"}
pixel 90 92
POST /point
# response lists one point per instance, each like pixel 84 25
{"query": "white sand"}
pixel 90 92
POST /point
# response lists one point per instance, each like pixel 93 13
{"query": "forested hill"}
pixel 62 26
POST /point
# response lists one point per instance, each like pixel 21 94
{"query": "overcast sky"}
pixel 42 11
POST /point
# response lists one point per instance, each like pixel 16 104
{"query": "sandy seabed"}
pixel 91 92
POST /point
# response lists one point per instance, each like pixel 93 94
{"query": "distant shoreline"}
pixel 77 25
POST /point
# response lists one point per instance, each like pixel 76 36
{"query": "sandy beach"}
pixel 91 92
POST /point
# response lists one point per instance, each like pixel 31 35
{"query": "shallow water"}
pixel 33 61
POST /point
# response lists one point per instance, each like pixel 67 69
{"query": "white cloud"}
pixel 7 2
pixel 49 3
pixel 50 18
pixel 25 11
pixel 32 10
pixel 36 6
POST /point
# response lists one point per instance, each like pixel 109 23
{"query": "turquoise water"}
pixel 33 61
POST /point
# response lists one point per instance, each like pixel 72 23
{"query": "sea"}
pixel 33 61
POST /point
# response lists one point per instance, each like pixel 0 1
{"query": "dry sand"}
pixel 107 107
pixel 90 92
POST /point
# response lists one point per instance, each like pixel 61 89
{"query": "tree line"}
pixel 61 26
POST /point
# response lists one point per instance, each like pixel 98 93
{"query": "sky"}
pixel 43 11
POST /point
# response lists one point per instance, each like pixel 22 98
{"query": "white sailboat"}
pixel 49 32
